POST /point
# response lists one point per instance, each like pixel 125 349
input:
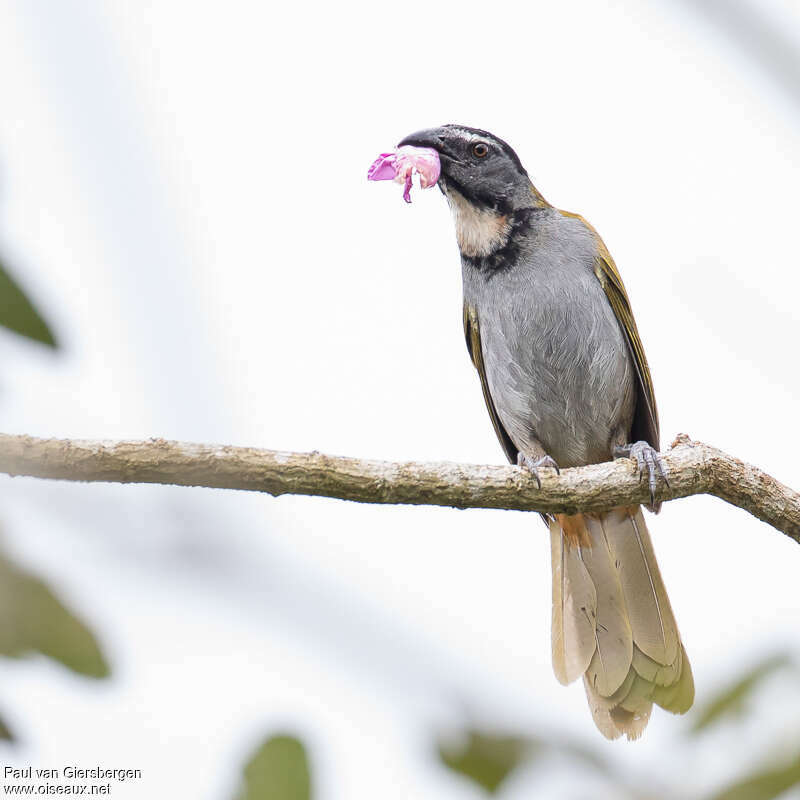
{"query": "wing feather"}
pixel 472 333
pixel 645 420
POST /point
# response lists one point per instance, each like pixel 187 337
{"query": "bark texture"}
pixel 694 468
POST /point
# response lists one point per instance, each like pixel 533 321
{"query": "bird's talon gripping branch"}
pixel 647 458
pixel 532 466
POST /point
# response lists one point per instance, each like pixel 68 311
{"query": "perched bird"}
pixel 550 330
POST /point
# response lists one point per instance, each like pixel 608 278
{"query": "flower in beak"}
pixel 401 164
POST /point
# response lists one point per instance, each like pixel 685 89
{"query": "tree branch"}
pixel 694 468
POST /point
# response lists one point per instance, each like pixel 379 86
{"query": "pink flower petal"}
pixel 423 160
pixel 383 168
pixel 407 190
pixel 401 165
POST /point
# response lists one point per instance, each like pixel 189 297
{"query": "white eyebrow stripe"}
pixel 469 136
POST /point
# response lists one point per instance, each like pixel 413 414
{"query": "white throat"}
pixel 479 231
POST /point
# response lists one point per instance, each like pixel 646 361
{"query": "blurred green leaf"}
pixel 18 314
pixel 278 770
pixel 730 701
pixel 5 732
pixel 32 619
pixel 488 759
pixel 764 785
pixel 578 752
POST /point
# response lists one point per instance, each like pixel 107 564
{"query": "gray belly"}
pixel 558 366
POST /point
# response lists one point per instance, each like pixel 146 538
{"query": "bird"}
pixel 550 330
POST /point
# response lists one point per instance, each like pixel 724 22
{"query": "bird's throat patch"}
pixel 480 231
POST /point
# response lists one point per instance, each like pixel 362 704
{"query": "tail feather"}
pixel 574 612
pixel 611 716
pixel 653 624
pixel 639 696
pixel 601 712
pixel 632 723
pixel 614 642
pixel 678 697
pixel 660 674
pixel 612 621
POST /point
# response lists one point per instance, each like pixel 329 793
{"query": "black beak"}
pixel 432 137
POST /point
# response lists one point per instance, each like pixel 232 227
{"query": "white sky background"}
pixel 184 194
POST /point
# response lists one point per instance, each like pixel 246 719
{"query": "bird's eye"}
pixel 480 150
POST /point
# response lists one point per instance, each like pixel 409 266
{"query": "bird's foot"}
pixel 647 458
pixel 533 466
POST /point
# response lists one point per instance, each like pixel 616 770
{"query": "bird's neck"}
pixel 488 237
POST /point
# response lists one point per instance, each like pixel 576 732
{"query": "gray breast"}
pixel 557 362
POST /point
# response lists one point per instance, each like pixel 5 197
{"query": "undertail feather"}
pixel 612 621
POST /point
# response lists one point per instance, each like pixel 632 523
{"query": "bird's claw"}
pixel 648 458
pixel 533 466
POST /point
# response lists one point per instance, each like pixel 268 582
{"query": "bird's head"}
pixel 480 167
pixel 488 190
